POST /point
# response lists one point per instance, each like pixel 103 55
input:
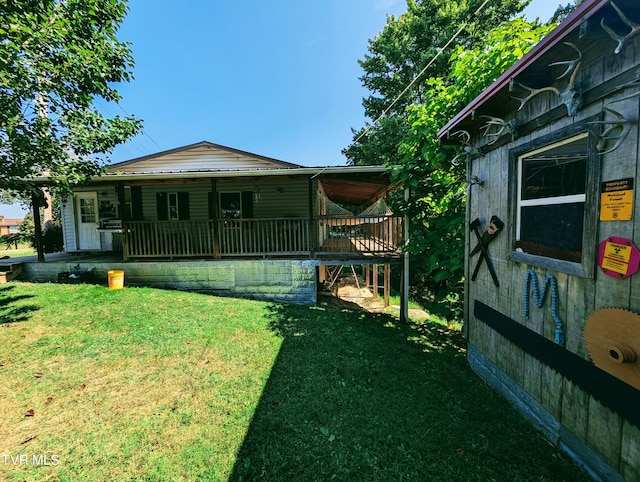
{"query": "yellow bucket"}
pixel 116 279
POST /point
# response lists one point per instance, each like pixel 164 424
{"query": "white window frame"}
pixel 177 206
pixel 586 127
pixel 545 201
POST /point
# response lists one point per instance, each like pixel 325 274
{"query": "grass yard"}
pixel 23 250
pixel 144 384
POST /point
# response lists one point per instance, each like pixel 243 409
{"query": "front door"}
pixel 87 220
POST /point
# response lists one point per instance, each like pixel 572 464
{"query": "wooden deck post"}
pixel 404 283
pixel 367 276
pixel 387 283
pixel 375 280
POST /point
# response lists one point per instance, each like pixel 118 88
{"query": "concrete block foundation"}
pixel 289 281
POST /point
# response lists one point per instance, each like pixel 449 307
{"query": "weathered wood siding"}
pixel 583 420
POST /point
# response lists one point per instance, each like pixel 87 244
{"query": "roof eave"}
pixel 310 171
pixel 582 13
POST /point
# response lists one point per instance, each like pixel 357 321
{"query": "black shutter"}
pixel 247 204
pixel 183 206
pixel 136 203
pixel 163 207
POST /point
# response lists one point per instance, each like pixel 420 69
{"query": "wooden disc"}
pixel 612 337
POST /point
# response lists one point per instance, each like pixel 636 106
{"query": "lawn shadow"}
pixel 10 312
pixel 360 396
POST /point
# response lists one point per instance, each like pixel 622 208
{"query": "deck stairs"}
pixel 9 271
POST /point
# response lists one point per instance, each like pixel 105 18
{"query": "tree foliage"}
pixel 404 47
pixel 56 58
pixel 563 12
pixel 437 205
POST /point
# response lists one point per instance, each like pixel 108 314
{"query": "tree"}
pixel 563 12
pixel 396 56
pixel 437 206
pixel 56 57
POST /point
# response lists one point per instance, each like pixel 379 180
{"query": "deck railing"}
pixel 372 235
pixel 340 235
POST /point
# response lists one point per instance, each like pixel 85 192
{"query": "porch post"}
pixel 214 214
pixel 35 202
pixel 312 229
pixel 404 300
pixel 123 219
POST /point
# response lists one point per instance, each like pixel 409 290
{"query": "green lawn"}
pixel 144 384
pixel 15 253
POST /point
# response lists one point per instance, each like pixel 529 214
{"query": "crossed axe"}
pixel 491 231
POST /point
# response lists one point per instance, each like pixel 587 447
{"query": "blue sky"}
pixel 277 78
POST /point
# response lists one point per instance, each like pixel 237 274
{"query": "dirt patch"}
pixel 349 294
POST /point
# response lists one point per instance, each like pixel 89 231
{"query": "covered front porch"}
pixel 308 213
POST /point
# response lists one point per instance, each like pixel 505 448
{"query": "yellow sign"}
pixel 615 266
pixel 617 252
pixel 618 257
pixel 616 200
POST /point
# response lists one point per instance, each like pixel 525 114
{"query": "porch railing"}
pixel 254 237
pixel 340 235
pixel 229 237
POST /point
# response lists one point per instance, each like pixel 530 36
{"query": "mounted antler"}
pixel 572 65
pixel 635 83
pixel 532 92
pixel 570 96
pixel 635 29
pixel 502 126
pixel 620 123
pixel 464 136
pixel 469 150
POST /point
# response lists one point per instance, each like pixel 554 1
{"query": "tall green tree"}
pixel 563 12
pixel 56 58
pixel 405 46
pixel 437 181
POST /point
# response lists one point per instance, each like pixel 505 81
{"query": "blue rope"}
pixel 539 299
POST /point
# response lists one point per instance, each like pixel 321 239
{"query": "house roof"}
pixel 533 69
pixel 10 221
pixel 198 157
pixel 357 185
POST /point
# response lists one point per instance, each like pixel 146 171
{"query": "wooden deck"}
pixel 349 246
pixel 340 236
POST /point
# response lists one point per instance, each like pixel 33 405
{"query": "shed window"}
pixel 551 199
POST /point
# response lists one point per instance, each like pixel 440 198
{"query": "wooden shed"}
pixel 552 294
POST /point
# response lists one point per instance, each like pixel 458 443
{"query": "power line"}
pixel 415 79
pixel 142 130
pixel 103 106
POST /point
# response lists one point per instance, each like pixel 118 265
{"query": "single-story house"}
pixel 561 126
pixel 210 217
pixel 9 225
